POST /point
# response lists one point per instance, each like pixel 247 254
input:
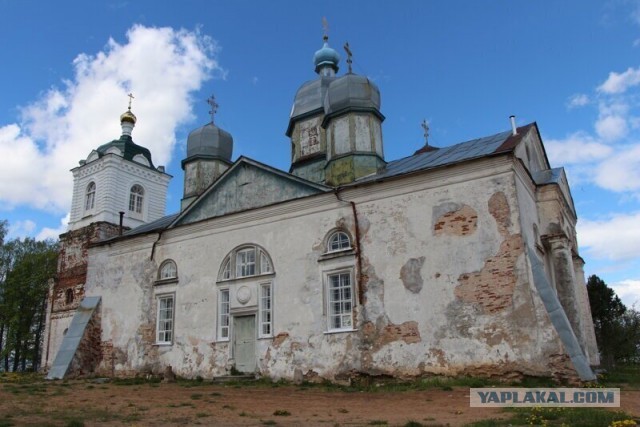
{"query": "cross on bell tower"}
pixel 214 107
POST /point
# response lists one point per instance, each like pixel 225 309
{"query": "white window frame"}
pixel 339 237
pixel 164 267
pixel 265 310
pixel 243 264
pixel 161 330
pixel 224 314
pixel 136 200
pixel 90 197
pixel 236 265
pixel 330 301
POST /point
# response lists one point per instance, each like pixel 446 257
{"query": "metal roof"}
pixel 549 176
pixel 158 224
pixel 476 148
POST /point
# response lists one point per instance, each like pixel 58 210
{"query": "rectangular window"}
pixel 223 314
pixel 246 262
pixel 340 301
pixel 266 310
pixel 135 203
pixel 165 319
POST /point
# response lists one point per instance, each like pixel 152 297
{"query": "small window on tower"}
pixel 90 197
pixel 69 296
pixel 136 197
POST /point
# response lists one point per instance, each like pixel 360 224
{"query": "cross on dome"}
pixel 214 106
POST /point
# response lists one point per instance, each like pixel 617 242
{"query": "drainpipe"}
pixel 153 248
pixel 121 216
pixel 336 192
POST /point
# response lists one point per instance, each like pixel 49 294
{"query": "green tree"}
pixel 26 266
pixel 617 328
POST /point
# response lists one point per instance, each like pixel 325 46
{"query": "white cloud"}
pixel 578 147
pixel 161 66
pixel 578 100
pixel 616 238
pixel 20 229
pixel 629 292
pixel 619 82
pixel 620 172
pixel 611 128
pixel 54 233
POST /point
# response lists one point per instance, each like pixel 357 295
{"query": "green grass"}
pixel 584 417
pixel 623 376
pixel 281 413
pixel 378 423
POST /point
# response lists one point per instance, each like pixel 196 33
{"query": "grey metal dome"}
pixel 209 141
pixel 309 99
pixel 351 92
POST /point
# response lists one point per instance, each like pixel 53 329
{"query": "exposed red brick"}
pixel 461 222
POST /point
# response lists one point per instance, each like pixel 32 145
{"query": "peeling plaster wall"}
pixel 427 246
pixel 72 274
pixel 478 311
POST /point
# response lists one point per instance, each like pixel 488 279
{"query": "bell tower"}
pixel 116 187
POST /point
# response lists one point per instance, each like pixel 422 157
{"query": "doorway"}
pixel 244 343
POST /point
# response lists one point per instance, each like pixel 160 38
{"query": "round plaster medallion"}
pixel 243 295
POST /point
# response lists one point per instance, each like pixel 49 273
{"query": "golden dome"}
pixel 128 116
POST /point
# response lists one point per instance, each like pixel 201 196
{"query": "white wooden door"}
pixel 244 343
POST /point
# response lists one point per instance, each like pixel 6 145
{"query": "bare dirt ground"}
pixel 88 403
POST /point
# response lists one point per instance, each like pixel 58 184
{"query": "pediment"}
pixel 247 185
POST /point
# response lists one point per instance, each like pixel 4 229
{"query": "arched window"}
pixel 136 198
pixel 68 296
pixel 245 261
pixel 168 270
pixel 338 241
pixel 90 197
pixel 235 291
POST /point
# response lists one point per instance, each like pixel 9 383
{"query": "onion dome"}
pixel 124 145
pixel 327 58
pixel 128 116
pixel 209 142
pixel 352 92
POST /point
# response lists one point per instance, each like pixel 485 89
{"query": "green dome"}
pixel 127 147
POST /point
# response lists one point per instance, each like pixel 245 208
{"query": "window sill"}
pixel 163 344
pixel 339 331
pixel 165 281
pixel 246 278
pixel 337 254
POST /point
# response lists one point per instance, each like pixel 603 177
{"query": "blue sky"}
pixel 465 66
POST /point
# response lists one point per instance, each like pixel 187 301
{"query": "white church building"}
pixel 458 260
